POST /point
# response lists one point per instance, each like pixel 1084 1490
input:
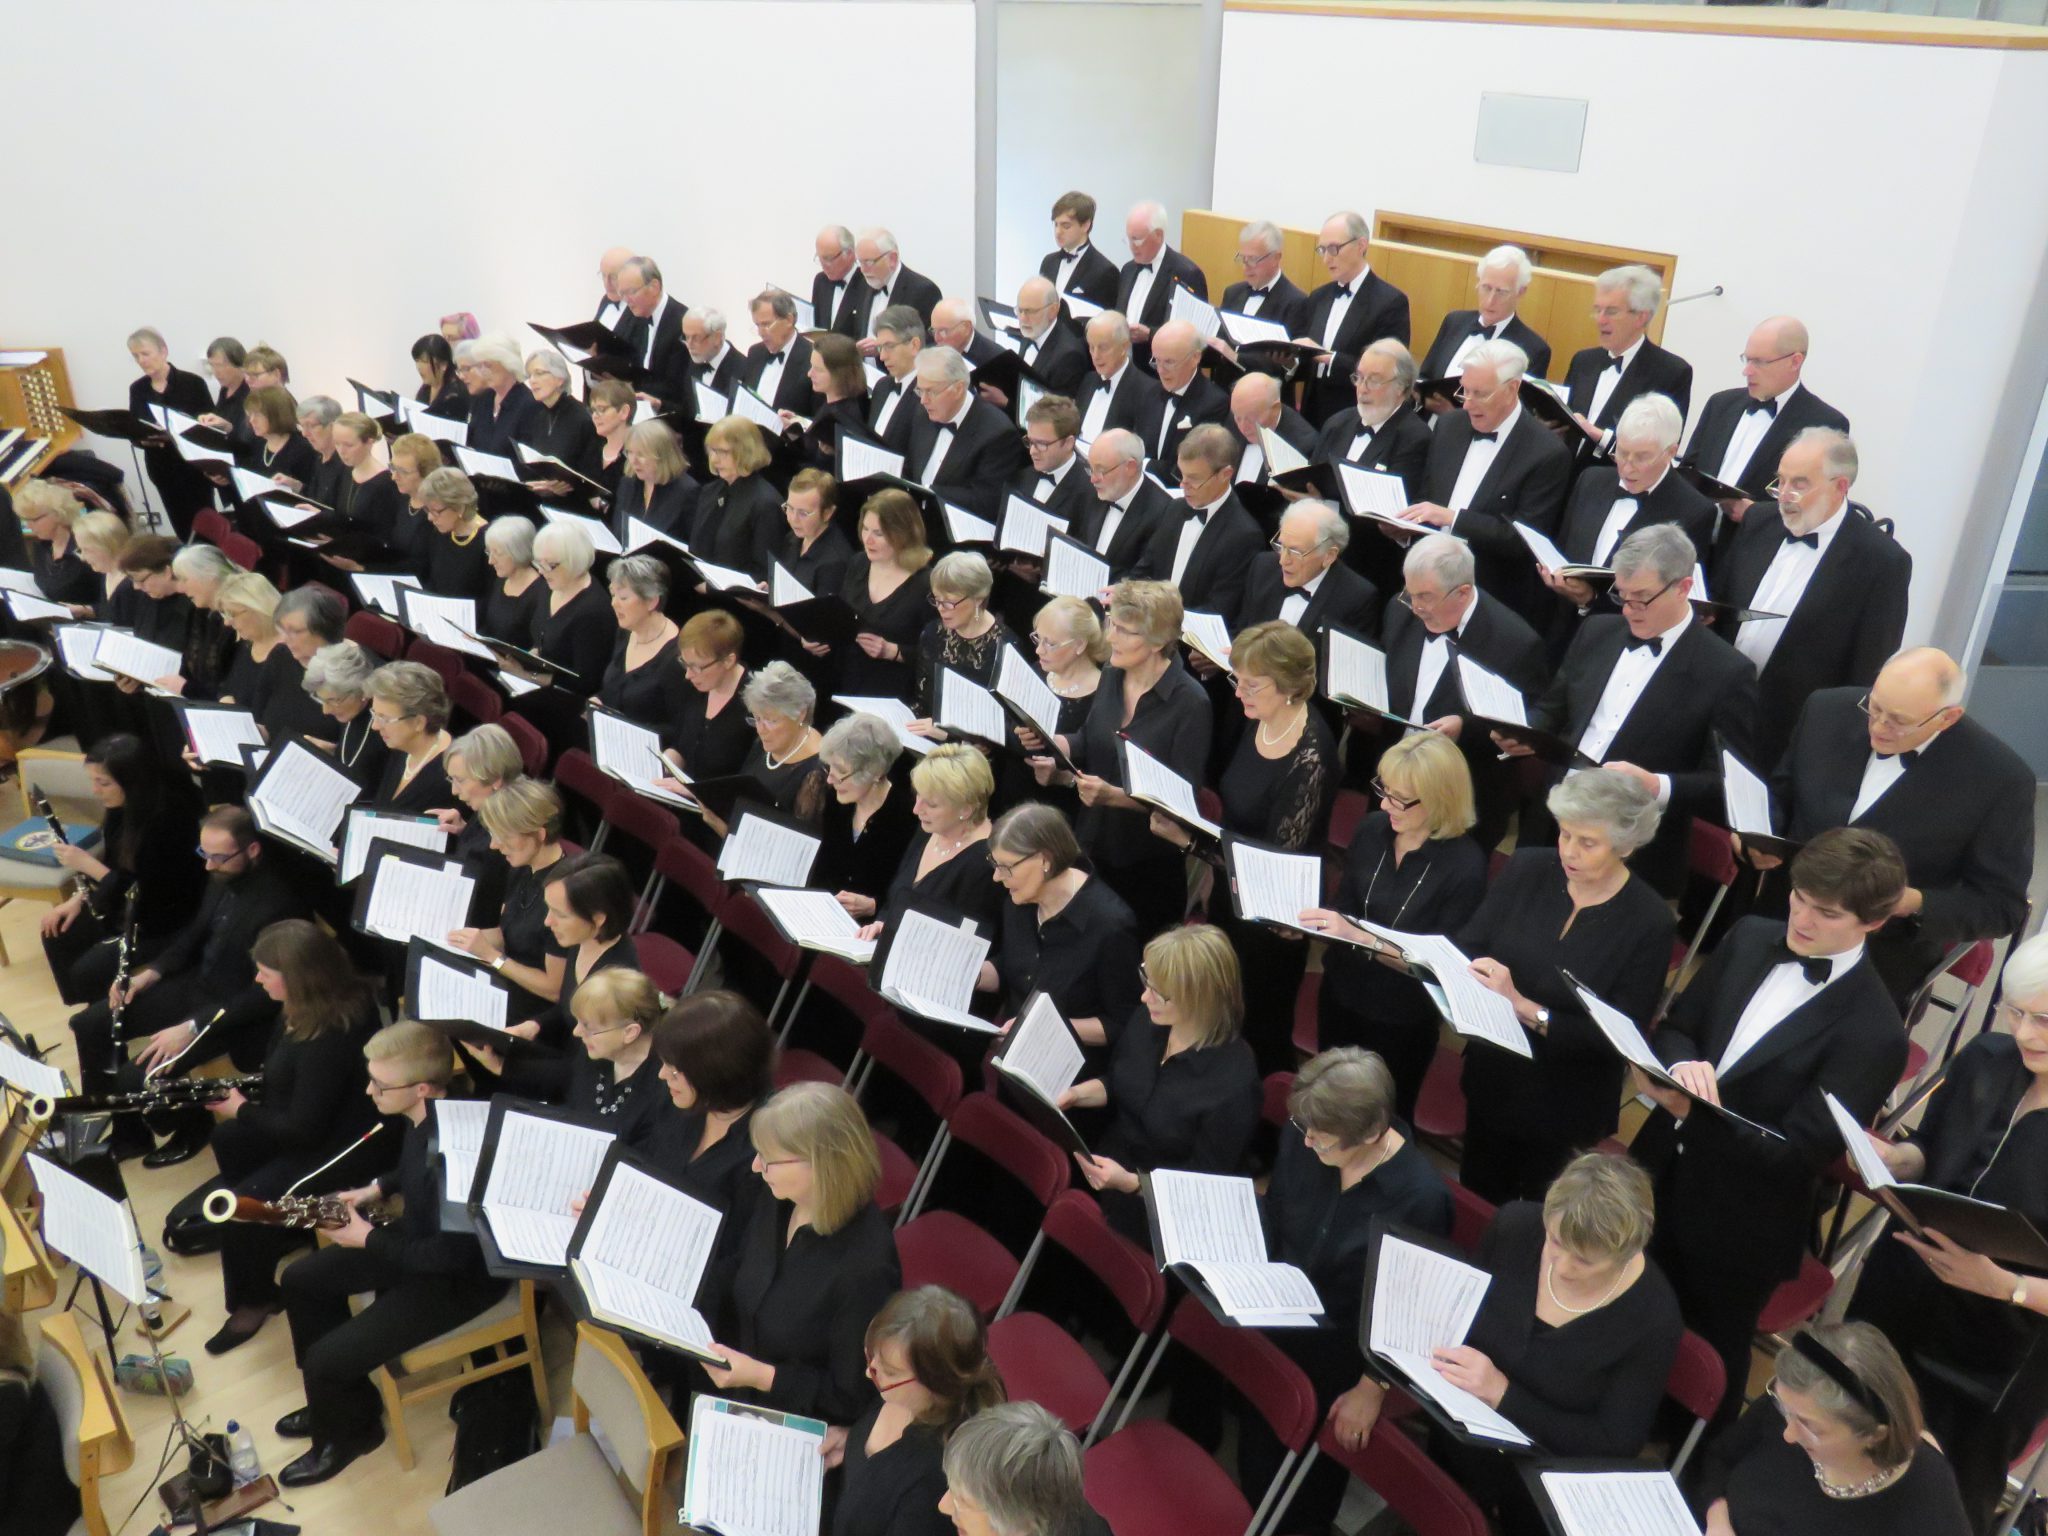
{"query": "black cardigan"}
pixel 313 1104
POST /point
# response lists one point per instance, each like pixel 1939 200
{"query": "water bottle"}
pixel 242 1455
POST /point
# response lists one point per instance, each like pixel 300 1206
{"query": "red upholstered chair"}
pixel 899 1174
pixel 241 549
pixel 444 661
pixel 665 963
pixel 470 695
pixel 1419 1492
pixel 946 1248
pixel 1697 1383
pixel 380 636
pixel 928 1073
pixel 211 526
pixel 585 788
pixel 1349 809
pixel 1440 1106
pixel 1797 1300
pixel 1273 1094
pixel 649 828
pixel 1307 999
pixel 526 736
pixel 1709 857
pixel 747 924
pixel 1470 1217
pixel 690 869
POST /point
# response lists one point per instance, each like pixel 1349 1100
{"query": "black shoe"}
pixel 296 1425
pixel 324 1461
pixel 128 1146
pixel 232 1336
pixel 182 1147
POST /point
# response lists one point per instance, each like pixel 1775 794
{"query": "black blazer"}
pixel 1723 412
pixel 1846 624
pixel 1460 323
pixel 1094 279
pixel 1740 1203
pixel 1174 266
pixel 1962 815
pixel 1653 372
pixel 1202 403
pixel 1060 358
pixel 1344 597
pixel 1497 638
pixel 824 312
pixel 669 360
pixel 1150 508
pixel 896 436
pixel 1072 498
pixel 1284 304
pixel 739 524
pixel 794 393
pixel 215 945
pixel 1378 310
pixel 912 288
pixel 1399 447
pixel 731 365
pixel 986 455
pixel 496 430
pixel 1214 579
pixel 1292 429
pixel 1671 500
pixel 1525 484
pixel 1702 695
pixel 1133 404
pixel 673 510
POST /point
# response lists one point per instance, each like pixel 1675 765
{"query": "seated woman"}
pixel 48 513
pixel 887 587
pixel 101 538
pixel 814 548
pixel 413 457
pixel 317 416
pixel 162 613
pixel 338 677
pixel 35 1490
pixel 409 712
pixel 813 1266
pixel 614 1081
pixel 927 1355
pixel 783 758
pixel 1063 932
pixel 512 597
pixel 307 618
pixel 869 821
pixel 302 1135
pixel 946 860
pixel 611 416
pixel 717 1058
pixel 273 449
pixel 656 486
pixel 524 820
pixel 265 678
pixel 589 918
pixel 573 627
pixel 1412 866
pixel 1970 1330
pixel 1836 1447
pixel 739 513
pixel 452 559
pixel 966 637
pixel 838 379
pixel 560 427
pixel 440 390
pixel 1181 1088
pixel 480 762
pixel 1574 907
pixel 1015 1470
pixel 197 571
pixel 644 679
pixel 1346 1166
pixel 502 410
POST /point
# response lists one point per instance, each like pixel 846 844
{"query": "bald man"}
pixel 1188 398
pixel 1144 285
pixel 1905 759
pixel 953 326
pixel 887 282
pixel 1742 431
pixel 1051 349
pixel 1256 408
pixel 611 309
pixel 837 285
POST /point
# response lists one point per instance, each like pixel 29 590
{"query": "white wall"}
pixel 1890 195
pixel 436 156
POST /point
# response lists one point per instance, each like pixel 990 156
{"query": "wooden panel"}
pixel 1475 240
pixel 1210 240
pixel 29 398
pixel 1558 305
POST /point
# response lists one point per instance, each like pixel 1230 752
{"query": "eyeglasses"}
pixel 694 668
pixel 1405 802
pixel 377 1087
pixel 219 858
pixel 946 604
pixel 1371 380
pixel 1896 722
pixel 1788 495
pixel 2015 1015
pixel 1252 261
pixel 1638 604
pixel 1145 980
pixel 1288 549
pixel 377 719
pixel 1047 643
pixel 1425 603
pixel 1004 871
pixel 545 566
pixel 1327 251
pixel 1762 362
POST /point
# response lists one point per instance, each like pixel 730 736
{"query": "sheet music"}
pixel 860 459
pixel 897 713
pixel 1461 1405
pixel 77 644
pixel 1870 1167
pixel 459 1126
pixel 1149 779
pixel 1474 1010
pixel 1272 885
pixel 1072 569
pixel 1080 308
pixel 1422 1300
pixel 783 588
pixel 1547 554
pixel 1207 1216
pixel 1621 1033
pixel 710 404
pixel 381 592
pixel 751 1472
pixel 931 970
pixel 1250 463
pixel 967 707
pixel 476 463
pixel 29 609
pixel 29 1075
pixel 12 580
pixel 1197 312
pixel 965 527
pixel 723 578
pixel 513 684
pixel 449 621
pixel 1260 1287
pixel 815 920
pixel 289 514
pixel 132 656
pixel 767 851
pixel 1375 493
pixel 1042 1050
pixel 1019 682
pixel 1747 797
pixel 411 901
pixel 1618 1504
pixel 306 793
pixel 1280 455
pixel 1249 328
pixel 361 825
pixel 192 453
pixel 1025 527
pixel 535 456
pixel 629 752
pixel 95 1231
pixel 442 429
pixel 1489 694
pixel 251 486
pixel 218 735
pixel 637 1303
pixel 602 539
pixel 749 406
pixel 643 1257
pixel 639 535
pixel 450 992
pixel 540 1166
pixel 1208 634
pixel 1357 673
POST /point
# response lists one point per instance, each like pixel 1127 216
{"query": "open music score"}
pixel 752 1471
pixel 931 968
pixel 538 1165
pixel 1208 1224
pixel 639 1254
pixel 1423 1301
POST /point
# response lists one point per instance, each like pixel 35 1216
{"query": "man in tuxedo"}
pixel 778 366
pixel 1653 693
pixel 611 309
pixel 1187 397
pixel 888 282
pixel 1350 312
pixel 1610 502
pixel 658 328
pixel 1494 465
pixel 1442 614
pixel 1602 380
pixel 1075 265
pixel 1503 278
pixel 1907 761
pixel 1144 285
pixel 1048 348
pixel 837 285
pixel 1128 506
pixel 713 361
pixel 1378 431
pixel 899 338
pixel 1304 581
pixel 1840 580
pixel 1783 1013
pixel 1116 392
pixel 1264 292
pixel 953 326
pixel 1207 549
pixel 961 446
pixel 1055 479
pixel 1256 408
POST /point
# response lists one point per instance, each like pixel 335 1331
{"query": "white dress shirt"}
pixel 834 292
pixel 1340 306
pixel 1436 655
pixel 1750 428
pixel 1784 583
pixel 1098 408
pixel 896 397
pixel 880 302
pixel 1783 992
pixel 1295 604
pixel 1633 669
pixel 1255 301
pixel 653 325
pixel 1070 263
pixel 771 372
pixel 1618 515
pixel 948 430
pixel 1191 534
pixel 611 314
pixel 1113 517
pixel 1603 387
pixel 1141 287
pixel 1479 457
pixel 1879 775
pixel 1050 480
pixel 1361 445
pixel 1477 338
pixel 708 371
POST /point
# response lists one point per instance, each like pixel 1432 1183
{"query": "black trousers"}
pixel 337 1351
pixel 1721 1304
pixel 173 1000
pixel 1502 1165
pixel 82 960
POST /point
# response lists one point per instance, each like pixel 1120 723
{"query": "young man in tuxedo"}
pixel 1782 1014
pixel 1264 292
pixel 892 404
pixel 1304 581
pixel 837 286
pixel 778 366
pixel 1116 391
pixel 1350 312
pixel 1905 759
pixel 1503 277
pixel 1056 480
pixel 426 1281
pixel 1187 397
pixel 1074 265
pixel 961 446
pixel 1144 284
pixel 1049 349
pixel 1602 380
pixel 888 282
pixel 1840 580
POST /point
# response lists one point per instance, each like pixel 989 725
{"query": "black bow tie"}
pixel 774 357
pixel 1486 437
pixel 1810 540
pixel 1815 968
pixel 1481 328
pixel 1618 364
pixel 1653 643
pixel 1768 407
pixel 1906 758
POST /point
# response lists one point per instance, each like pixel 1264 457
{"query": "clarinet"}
pixel 48 812
pixel 124 955
pixel 170 1093
pixel 301 1212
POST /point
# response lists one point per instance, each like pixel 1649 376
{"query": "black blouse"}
pixel 963 883
pixel 737 524
pixel 313 1104
pixel 455 568
pixel 976 660
pixel 563 431
pixel 168 881
pixel 673 510
pixel 1085 957
pixel 795 789
pixel 364 512
pixel 629 1107
pixel 451 399
pixel 484 865
pixel 866 863
pixel 503 616
pixel 1172 722
pixel 1771 1489
pixel 1284 801
pixel 896 1491
pixel 211 650
pixel 494 428
pixel 578 636
pixel 360 752
pixel 1194 1111
pixel 1435 889
pixel 164 620
pixel 897 618
pixel 722 1176
pixel 523 924
pixel 711 746
pixel 280 703
pixel 328 473
pixel 296 460
pixel 654 693
pixel 822 567
pixel 64 578
pixel 428 791
pixel 556 1023
pixel 819 442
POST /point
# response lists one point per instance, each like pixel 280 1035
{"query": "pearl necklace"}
pixel 1550 1285
pixel 1875 1483
pixel 785 762
pixel 1300 720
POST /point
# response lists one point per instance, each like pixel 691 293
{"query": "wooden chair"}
pixel 28 1278
pixel 511 1329
pixel 97 1441
pixel 19 1132
pixel 63 777
pixel 570 1486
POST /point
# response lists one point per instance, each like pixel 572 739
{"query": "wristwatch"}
pixel 497 962
pixel 1542 1021
pixel 2019 1294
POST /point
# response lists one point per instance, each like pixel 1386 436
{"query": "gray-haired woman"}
pixel 1574 907
pixel 338 677
pixel 513 596
pixel 644 680
pixel 561 427
pixel 784 757
pixel 869 821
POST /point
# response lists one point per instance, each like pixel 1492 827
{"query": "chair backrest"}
pixel 691 870
pixel 1471 1215
pixel 1273 1098
pixel 526 736
pixel 612 1390
pixel 28 1277
pixel 475 698
pixel 636 817
pixel 1973 966
pixel 241 549
pixel 1126 1271
pixel 376 634
pixel 96 1438
pixel 1710 854
pixel 1274 1385
pixel 211 526
pixel 1350 808
pixel 746 922
pixel 1698 1379
pixel 1006 1139
pixel 1419 1492
pixel 64 777
pixel 443 660
pixel 922 1067
pixel 847 984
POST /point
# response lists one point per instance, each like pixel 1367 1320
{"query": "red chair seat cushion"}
pixel 1041 1363
pixel 1799 1298
pixel 944 1248
pixel 1149 1479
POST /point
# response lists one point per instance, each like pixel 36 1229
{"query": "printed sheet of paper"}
pixel 643 1256
pixel 894 711
pixel 1357 672
pixel 860 459
pixel 1153 782
pixel 1547 554
pixel 815 920
pixel 218 735
pixel 1474 1009
pixel 29 609
pixel 1378 495
pixel 450 992
pixel 1248 328
pixel 409 901
pixel 965 527
pixel 1489 694
pixel 1207 1216
pixel 1199 313
pixel 1870 1168
pixel 1424 1301
pixel 476 463
pixel 1207 633
pixel 1022 685
pixel 20 1070
pixel 1072 569
pixel 1281 456
pixel 631 753
pixel 766 851
pixel 132 656
pixel 969 709
pixel 363 825
pixel 381 592
pixel 95 1231
pixel 77 644
pixel 783 588
pixel 602 539
pixel 1273 885
pixel 1026 526
pixel 1748 797
pixel 1260 1288
pixel 306 796
pixel 1619 1504
pixel 541 1165
pixel 459 1126
pixel 931 970
pixel 449 621
pixel 1042 1050
pixel 752 1472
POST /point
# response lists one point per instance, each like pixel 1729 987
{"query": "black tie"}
pixel 1618 364
pixel 1816 968
pixel 1906 758
pixel 1047 480
pixel 774 357
pixel 1486 437
pixel 1810 540
pixel 1768 407
pixel 1654 643
pixel 1481 328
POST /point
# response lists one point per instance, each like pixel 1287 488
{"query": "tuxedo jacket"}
pixel 619 320
pixel 1094 279
pixel 1724 411
pixel 1292 429
pixel 1654 371
pixel 1214 579
pixel 1128 551
pixel 1525 484
pixel 1202 403
pixel 896 437
pixel 986 455
pixel 1284 303
pixel 983 350
pixel 731 368
pixel 1962 815
pixel 669 361
pixel 1061 360
pixel 822 308
pixel 912 288
pixel 1173 265
pixel 1134 404
pixel 1702 695
pixel 1460 323
pixel 1399 447
pixel 794 393
pixel 1846 624
pixel 1728 1197
pixel 1344 597
pixel 1378 309
pixel 1073 498
pixel 1672 500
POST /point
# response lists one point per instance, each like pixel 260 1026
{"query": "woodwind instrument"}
pixel 48 812
pixel 171 1093
pixel 302 1212
pixel 123 959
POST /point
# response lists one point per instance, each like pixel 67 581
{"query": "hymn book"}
pixel 1205 1227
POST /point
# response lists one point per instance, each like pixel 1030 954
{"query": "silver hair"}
pixel 1153 212
pixel 499 350
pixel 567 544
pixel 1114 324
pixel 511 537
pixel 1265 231
pixel 1331 526
pixel 1354 223
pixel 881 239
pixel 1838 460
pixel 1023 1466
pixel 203 560
pixel 464 353
pixel 841 234
pixel 644 268
pixel 1618 803
pixel 322 609
pixel 489 753
pixel 551 360
pixel 1124 443
pixel 1508 361
pixel 642 575
pixel 343 668
pixel 322 408
pixel 781 689
pixel 151 334
pixel 1664 550
pixel 1443 555
pixel 713 320
pixel 450 487
pixel 963 573
pixel 902 322
pixel 1405 367
pixel 863 747
pixel 942 362
pixel 1508 256
pixel 1656 417
pixel 1644 288
pixel 2026 971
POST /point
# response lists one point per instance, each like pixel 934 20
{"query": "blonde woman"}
pixel 738 520
pixel 48 514
pixel 524 820
pixel 101 539
pixel 946 861
pixel 657 486
pixel 613 1082
pixel 367 501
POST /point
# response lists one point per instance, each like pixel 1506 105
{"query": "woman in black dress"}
pixel 656 487
pixel 440 388
pixel 317 416
pixel 946 861
pixel 783 756
pixel 560 427
pixel 274 450
pixel 453 560
pixel 611 1078
pixel 869 821
pixel 366 501
pixel 1070 648
pixel 573 628
pixel 1181 1088
pixel 644 680
pixel 249 603
pixel 1972 1331
pixel 102 538
pixel 182 489
pixel 1572 908
pixel 927 1355
pixel 48 512
pixel 1836 1447
pixel 837 379
pixel 965 637
pixel 197 570
pixel 413 458
pixel 524 820
pixel 336 678
pixel 611 417
pixel 717 1059
pixel 306 618
pixel 814 548
pixel 709 735
pixel 162 613
pixel 409 712
pixel 887 587
pixel 502 410
pixel 589 903
pixel 514 594
pixel 739 513
pixel 1411 867
pixel 480 762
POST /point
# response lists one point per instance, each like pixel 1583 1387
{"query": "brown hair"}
pixel 946 1349
pixel 720 1042
pixel 902 525
pixel 821 482
pixel 1078 206
pixel 280 411
pixel 713 631
pixel 322 993
pixel 1872 1361
pixel 842 361
pixel 147 554
pixel 1853 868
